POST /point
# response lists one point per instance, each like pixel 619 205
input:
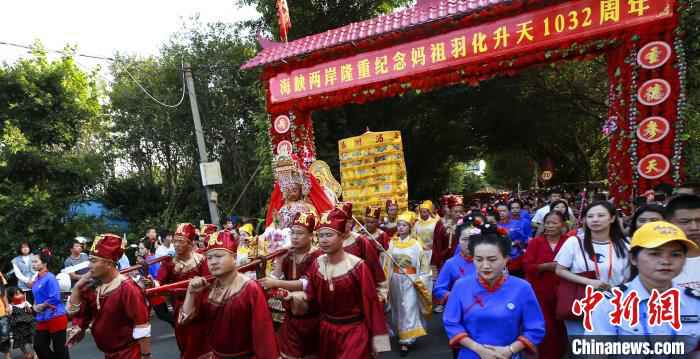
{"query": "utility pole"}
pixel 203 157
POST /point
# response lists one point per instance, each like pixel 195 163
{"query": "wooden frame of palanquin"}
pixel 558 33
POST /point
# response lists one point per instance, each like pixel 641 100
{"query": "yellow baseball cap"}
pixel 656 234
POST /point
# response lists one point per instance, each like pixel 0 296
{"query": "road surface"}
pixel 164 347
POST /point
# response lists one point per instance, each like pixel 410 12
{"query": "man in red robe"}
pixel 390 222
pixel 372 217
pixel 298 335
pixel 366 249
pixel 114 304
pixel 342 289
pixel 445 240
pixel 186 264
pixel 234 306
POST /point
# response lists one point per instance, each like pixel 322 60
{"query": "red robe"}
pixel 363 248
pixel 113 324
pixel 445 242
pixel 544 284
pixel 352 318
pixel 239 321
pixel 382 237
pixel 191 343
pixel 298 334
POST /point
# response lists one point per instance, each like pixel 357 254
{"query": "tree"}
pixel 50 154
pixel 157 143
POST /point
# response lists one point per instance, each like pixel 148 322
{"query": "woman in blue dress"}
pixel 491 314
pixel 459 266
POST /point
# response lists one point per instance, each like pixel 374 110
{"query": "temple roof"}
pixel 426 11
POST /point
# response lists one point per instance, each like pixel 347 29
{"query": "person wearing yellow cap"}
pixel 245 235
pixel 410 273
pixel 424 228
pixel 658 252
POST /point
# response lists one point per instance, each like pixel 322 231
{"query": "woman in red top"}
pixel 539 271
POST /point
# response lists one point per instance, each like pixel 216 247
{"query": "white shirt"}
pixel 163 251
pixel 571 257
pixel 690 276
pixel 538 218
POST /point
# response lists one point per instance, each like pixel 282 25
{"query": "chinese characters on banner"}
pixel 537 29
pixel 661 308
pixel 372 170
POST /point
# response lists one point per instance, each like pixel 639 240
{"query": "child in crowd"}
pixel 22 322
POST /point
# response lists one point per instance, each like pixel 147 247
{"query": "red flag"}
pixel 283 19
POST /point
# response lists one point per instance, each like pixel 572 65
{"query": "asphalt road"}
pixel 164 347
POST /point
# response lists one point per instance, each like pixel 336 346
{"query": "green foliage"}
pixel 691 24
pixel 157 144
pixel 50 156
pixel 314 16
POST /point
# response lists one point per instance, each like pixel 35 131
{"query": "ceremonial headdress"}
pixel 306 220
pixel 288 174
pixel 455 200
pixel 185 231
pixel 391 202
pixel 222 240
pixel 335 219
pixel 373 211
pixel 428 204
pixel 408 217
pixel 108 246
pixel 445 200
pixel 246 228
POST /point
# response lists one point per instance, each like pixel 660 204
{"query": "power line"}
pixel 182 98
pixel 63 52
pixel 113 60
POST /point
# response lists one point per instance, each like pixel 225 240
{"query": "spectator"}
pixel 519 231
pixel 562 207
pixel 158 303
pixel 540 270
pixel 684 211
pixel 658 253
pixel 645 214
pixel 22 322
pixel 151 235
pixel 76 257
pixel 663 193
pixel 492 314
pixel 124 260
pixel 603 249
pixel 688 188
pixel 50 336
pixel 553 196
pixel 22 266
pixel 5 342
pixel 166 248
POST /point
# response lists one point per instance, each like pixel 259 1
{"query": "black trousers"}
pixel 51 345
pixel 164 314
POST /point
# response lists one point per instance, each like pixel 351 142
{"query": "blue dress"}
pixel 495 316
pixel 455 268
pixel 518 230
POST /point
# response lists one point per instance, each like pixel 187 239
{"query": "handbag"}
pixel 568 292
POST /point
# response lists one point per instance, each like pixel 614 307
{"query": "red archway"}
pixel 446 42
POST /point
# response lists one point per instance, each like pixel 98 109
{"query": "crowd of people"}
pixel 345 285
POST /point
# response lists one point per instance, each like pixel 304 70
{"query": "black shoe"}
pixel 404 351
